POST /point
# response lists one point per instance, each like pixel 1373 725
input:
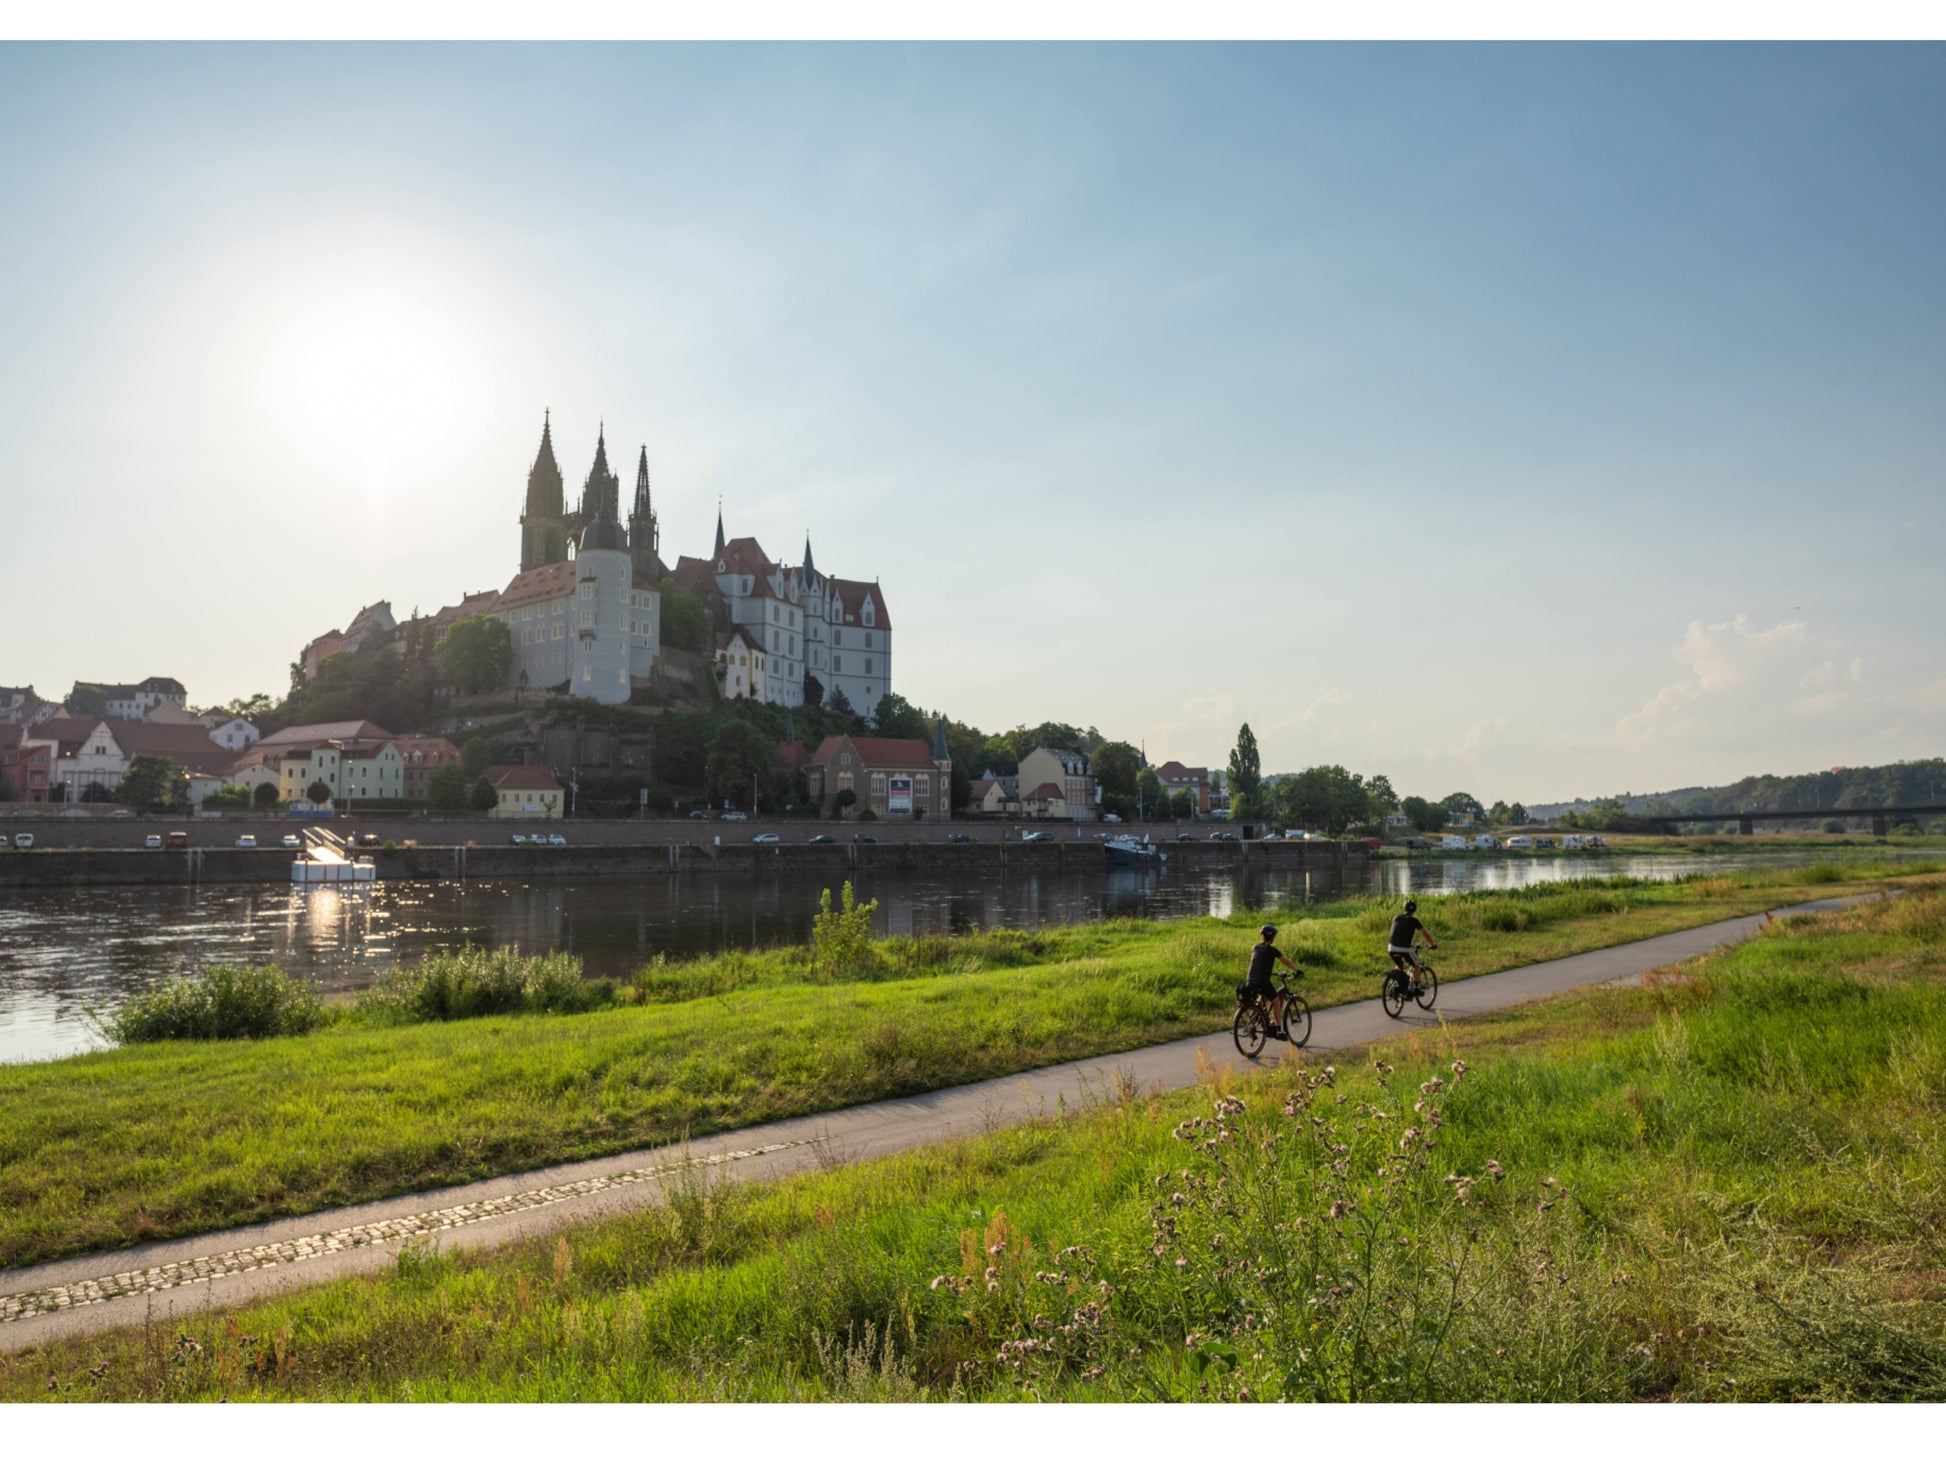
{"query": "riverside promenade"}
pixel 165 1281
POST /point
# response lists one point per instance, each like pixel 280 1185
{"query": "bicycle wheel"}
pixel 1250 1030
pixel 1297 1021
pixel 1428 986
pixel 1391 993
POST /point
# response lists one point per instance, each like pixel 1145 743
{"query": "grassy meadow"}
pixel 1727 1183
pixel 182 1135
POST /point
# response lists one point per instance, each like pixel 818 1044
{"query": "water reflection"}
pixel 64 950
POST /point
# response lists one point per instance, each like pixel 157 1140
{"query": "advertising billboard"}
pixel 898 795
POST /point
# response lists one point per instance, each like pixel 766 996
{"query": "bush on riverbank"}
pixel 241 1002
pixel 475 982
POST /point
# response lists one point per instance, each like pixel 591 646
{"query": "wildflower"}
pixel 1411 1135
pixel 1432 1086
pixel 1182 1262
pixel 1493 1170
pixel 1459 1069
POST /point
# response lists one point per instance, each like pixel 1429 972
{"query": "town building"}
pixel 740 665
pixel 26 766
pixel 132 701
pixel 421 756
pixel 25 708
pixel 1175 776
pixel 894 779
pixel 1067 772
pixel 526 791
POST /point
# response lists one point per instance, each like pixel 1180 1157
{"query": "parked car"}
pixel 246 840
pixel 1593 841
pixel 369 839
pixel 699 816
pixel 765 839
pixel 1416 844
pixel 153 841
pixel 733 816
pixel 1222 836
pixel 1110 816
pixel 554 839
pixel 865 836
pixel 1278 836
pixel 1370 843
pixel 1036 836
pixel 23 839
pixel 518 839
pixel 821 840
pixel 1185 836
pixel 958 836
pixel 177 839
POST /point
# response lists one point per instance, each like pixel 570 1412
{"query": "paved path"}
pixel 166 1281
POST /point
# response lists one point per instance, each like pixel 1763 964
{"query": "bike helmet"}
pixel 1268 931
pixel 1411 906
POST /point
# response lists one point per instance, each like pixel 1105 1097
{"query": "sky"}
pixel 1536 421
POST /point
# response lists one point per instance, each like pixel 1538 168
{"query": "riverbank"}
pixel 1723 1183
pixel 110 1149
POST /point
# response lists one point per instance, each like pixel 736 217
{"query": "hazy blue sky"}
pixel 1531 420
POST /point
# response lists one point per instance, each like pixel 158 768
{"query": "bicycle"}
pixel 1252 1026
pixel 1393 990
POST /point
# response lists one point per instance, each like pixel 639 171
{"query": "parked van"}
pixel 1485 843
pixel 1520 843
pixel 1452 843
pixel 1571 843
pixel 1593 841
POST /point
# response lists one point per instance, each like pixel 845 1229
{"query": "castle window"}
pixel 878 785
pixel 588 589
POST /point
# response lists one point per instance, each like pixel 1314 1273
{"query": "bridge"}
pixel 1881 816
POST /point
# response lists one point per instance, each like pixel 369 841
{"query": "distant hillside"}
pixel 1907 783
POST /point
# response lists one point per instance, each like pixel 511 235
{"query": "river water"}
pixel 64 951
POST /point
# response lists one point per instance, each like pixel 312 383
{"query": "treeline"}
pixel 1905 783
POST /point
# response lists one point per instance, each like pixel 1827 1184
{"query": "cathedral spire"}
pixel 643 507
pixel 719 527
pixel 810 568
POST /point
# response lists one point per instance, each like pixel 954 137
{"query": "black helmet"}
pixel 1268 931
pixel 1411 906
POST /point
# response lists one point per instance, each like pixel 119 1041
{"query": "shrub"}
pixel 228 1002
pixel 475 982
pixel 841 939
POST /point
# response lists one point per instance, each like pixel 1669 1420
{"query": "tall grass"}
pixel 475 982
pixel 257 1001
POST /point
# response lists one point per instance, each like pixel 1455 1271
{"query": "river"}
pixel 63 951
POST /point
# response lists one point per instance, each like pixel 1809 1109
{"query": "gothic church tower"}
pixel 644 536
pixel 544 524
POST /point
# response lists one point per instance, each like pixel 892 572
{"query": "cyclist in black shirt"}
pixel 1264 959
pixel 1399 944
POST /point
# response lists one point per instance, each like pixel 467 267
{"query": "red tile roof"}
pixel 555 580
pixel 522 778
pixel 878 754
pixel 299 736
pixel 853 595
pixel 792 755
pixel 1047 791
pixel 188 745
pixel 431 750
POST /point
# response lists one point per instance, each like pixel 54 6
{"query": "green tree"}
pixel 965 744
pixel 685 622
pixel 448 788
pixel 478 654
pixel 1182 805
pixel 813 690
pixel 476 756
pixel 1422 814
pixel 1151 796
pixel 249 707
pixel 319 793
pixel 1461 804
pixel 151 783
pixel 1326 797
pixel 1517 814
pixel 266 795
pixel 843 802
pixel 1499 814
pixel 87 702
pixel 484 797
pixel 1246 777
pixel 1116 765
pixel 227 798
pixel 838 702
pixel 896 719
pixel 739 760
pixel 1384 799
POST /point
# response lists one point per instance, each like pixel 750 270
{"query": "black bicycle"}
pixel 1394 989
pixel 1252 1026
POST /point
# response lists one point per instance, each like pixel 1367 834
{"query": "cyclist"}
pixel 1404 927
pixel 1264 958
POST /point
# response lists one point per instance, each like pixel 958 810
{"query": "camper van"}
pixel 1523 843
pixel 1452 843
pixel 1485 843
pixel 1571 843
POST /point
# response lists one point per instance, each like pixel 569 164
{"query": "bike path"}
pixel 165 1282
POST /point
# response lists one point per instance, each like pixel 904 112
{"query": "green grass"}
pixel 1726 1183
pixel 156 1140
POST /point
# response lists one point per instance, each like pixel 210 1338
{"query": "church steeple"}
pixel 810 568
pixel 602 496
pixel 719 527
pixel 644 535
pixel 543 524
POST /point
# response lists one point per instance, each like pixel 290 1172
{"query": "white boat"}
pixel 1127 850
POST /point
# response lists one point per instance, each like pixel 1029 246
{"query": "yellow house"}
pixel 528 791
